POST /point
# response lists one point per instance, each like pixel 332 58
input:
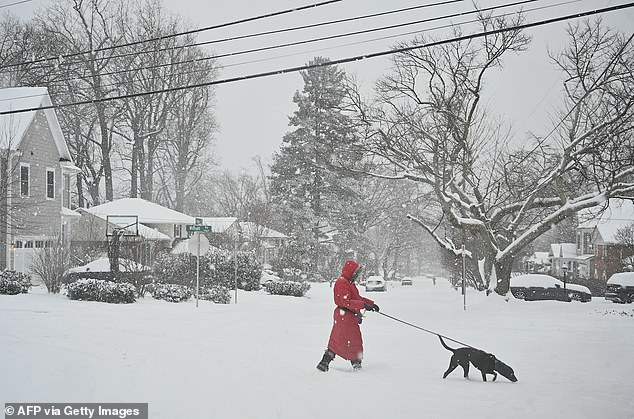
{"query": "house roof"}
pixel 618 215
pixel 256 230
pixel 144 231
pixel 13 127
pixel 563 250
pixel 148 212
pixel 219 224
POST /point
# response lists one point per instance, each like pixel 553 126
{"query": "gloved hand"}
pixel 371 307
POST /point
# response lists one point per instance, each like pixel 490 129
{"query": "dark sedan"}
pixel 534 287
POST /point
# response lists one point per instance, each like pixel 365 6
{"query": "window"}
pixel 19 244
pixel 39 244
pixel 178 230
pixel 24 179
pixel 50 183
pixel 28 244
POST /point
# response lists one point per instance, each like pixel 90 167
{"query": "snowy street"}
pixel 257 359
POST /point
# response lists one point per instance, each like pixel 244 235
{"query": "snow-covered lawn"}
pixel 257 359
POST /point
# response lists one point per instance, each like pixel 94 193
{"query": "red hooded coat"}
pixel 345 337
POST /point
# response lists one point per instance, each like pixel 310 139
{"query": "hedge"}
pixel 91 289
pixel 12 282
pixel 295 289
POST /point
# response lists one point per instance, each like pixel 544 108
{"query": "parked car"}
pixel 407 281
pixel 620 288
pixel 533 287
pixel 375 283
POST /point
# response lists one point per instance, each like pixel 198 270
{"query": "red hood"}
pixel 349 268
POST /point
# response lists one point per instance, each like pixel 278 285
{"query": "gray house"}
pixel 35 177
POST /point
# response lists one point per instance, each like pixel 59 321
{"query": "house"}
pixel 265 241
pixel 169 222
pixel 35 177
pixel 599 234
pixel 563 255
pixel 89 235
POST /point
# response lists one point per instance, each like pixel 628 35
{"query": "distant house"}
pixel 158 227
pixel 598 235
pixel 563 254
pixel 167 221
pixel 265 241
pixel 35 178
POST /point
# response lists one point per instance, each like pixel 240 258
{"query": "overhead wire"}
pixel 15 3
pixel 174 35
pixel 337 61
pixel 326 38
pixel 459 24
pixel 271 32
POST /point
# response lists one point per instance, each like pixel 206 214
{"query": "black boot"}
pixel 356 364
pixel 323 364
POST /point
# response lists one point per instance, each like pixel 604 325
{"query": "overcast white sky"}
pixel 253 114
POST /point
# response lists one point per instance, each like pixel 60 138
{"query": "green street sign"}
pixel 197 228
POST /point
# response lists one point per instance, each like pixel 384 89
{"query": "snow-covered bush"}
pixel 91 289
pixel 173 293
pixel 295 289
pixel 12 282
pixel 217 268
pixel 218 294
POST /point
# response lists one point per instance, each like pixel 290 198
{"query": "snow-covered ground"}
pixel 257 359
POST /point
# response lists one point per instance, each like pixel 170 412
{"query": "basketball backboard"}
pixel 128 224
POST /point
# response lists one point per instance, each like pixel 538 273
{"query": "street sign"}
pixel 198 245
pixel 199 221
pixel 197 228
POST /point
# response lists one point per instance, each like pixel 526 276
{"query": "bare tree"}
pixel 428 123
pixel 50 264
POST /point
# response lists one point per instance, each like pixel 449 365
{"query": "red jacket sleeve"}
pixel 346 295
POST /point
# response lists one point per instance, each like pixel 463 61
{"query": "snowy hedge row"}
pixel 218 294
pixel 217 268
pixel 91 289
pixel 12 282
pixel 295 289
pixel 173 293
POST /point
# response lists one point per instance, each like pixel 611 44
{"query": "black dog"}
pixel 485 362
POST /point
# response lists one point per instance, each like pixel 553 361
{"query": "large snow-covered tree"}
pixel 303 185
pixel 428 122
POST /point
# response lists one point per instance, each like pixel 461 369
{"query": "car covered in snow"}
pixel 532 287
pixel 620 288
pixel 375 283
pixel 407 281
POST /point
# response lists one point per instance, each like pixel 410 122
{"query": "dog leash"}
pixel 426 330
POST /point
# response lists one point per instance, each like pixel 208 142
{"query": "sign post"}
pixel 201 246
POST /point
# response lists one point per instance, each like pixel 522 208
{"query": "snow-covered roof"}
pixel 618 215
pixel 563 250
pixel 182 246
pixel 14 126
pixel 255 230
pixel 144 231
pixel 148 212
pixel 103 265
pixel 219 224
pixel 540 257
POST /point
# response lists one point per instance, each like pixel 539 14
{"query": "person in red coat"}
pixel 345 337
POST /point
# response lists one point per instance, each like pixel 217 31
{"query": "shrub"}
pixel 218 294
pixel 12 282
pixel 140 280
pixel 173 293
pixel 91 289
pixel 295 289
pixel 217 268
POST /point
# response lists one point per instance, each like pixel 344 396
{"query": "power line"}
pixel 291 29
pixel 313 40
pixel 335 62
pixel 288 55
pixel 15 3
pixel 174 35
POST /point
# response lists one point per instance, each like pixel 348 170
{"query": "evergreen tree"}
pixel 306 185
